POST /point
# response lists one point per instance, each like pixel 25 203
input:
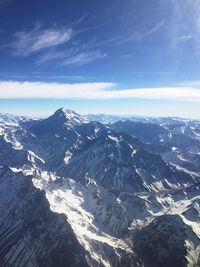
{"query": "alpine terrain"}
pixel 98 191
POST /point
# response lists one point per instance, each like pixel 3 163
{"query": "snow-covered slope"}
pixel 31 234
pixel 97 195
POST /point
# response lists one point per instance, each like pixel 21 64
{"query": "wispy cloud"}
pixel 28 42
pixel 51 56
pixel 83 58
pixel 150 31
pixel 183 26
pixel 101 90
pixel 185 38
pixel 48 42
pixel 85 53
pixel 40 75
pixel 75 55
pixel 128 38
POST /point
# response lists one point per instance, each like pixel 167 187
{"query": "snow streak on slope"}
pixel 109 186
pixel 31 234
pixel 72 199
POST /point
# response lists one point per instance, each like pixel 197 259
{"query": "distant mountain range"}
pixel 99 190
pixel 107 119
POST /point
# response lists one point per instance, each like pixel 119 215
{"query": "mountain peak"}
pixel 70 117
pixel 60 120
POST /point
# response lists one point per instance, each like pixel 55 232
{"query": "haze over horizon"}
pixel 95 115
pixel 116 57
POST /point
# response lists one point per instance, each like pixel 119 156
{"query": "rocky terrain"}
pixel 77 192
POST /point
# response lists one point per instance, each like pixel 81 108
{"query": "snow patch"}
pixel 67 157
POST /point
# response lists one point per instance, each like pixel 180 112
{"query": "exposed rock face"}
pixel 79 193
pixel 31 234
pixel 167 241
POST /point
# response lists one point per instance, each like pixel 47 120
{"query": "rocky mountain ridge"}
pixel 108 188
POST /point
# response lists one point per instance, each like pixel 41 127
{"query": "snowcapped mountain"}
pixel 76 192
pixel 106 119
pixel 109 119
pixel 61 121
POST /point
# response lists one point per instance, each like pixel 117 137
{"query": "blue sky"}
pixel 116 56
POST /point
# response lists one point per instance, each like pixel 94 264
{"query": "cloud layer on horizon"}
pixel 99 90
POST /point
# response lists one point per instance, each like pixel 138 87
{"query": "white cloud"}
pixel 143 35
pixel 183 26
pixel 84 58
pixel 185 38
pixel 27 42
pixel 50 56
pixel 101 90
pixel 74 56
pixel 13 89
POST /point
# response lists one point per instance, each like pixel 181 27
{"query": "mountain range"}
pixel 99 191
